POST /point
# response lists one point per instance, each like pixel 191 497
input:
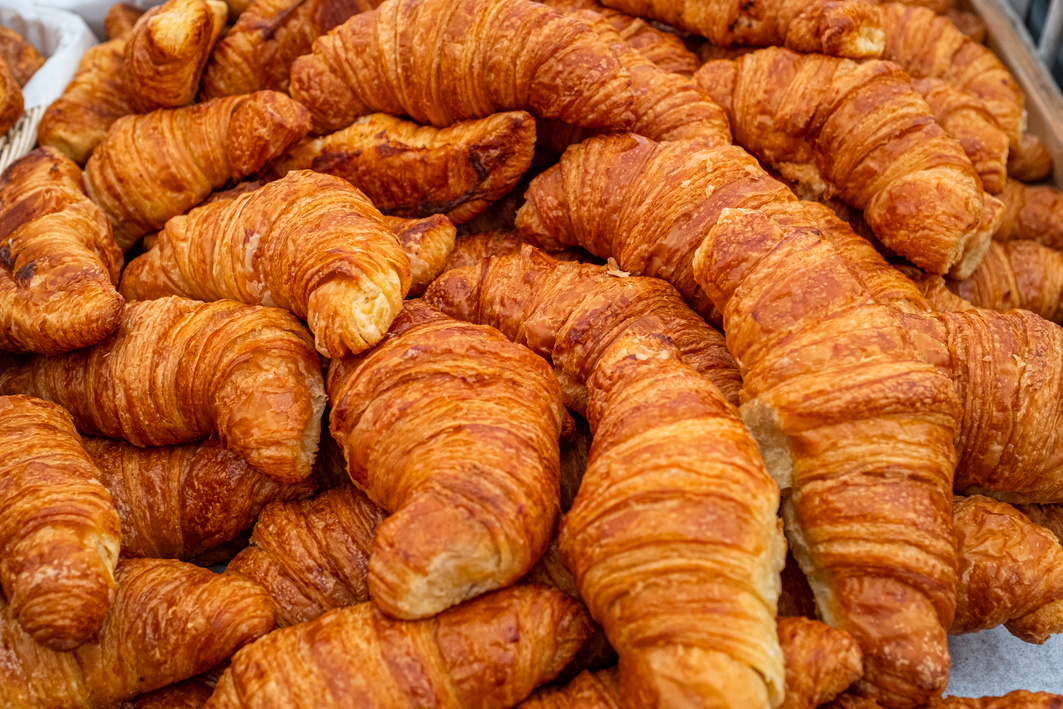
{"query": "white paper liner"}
pixel 995 662
pixel 94 11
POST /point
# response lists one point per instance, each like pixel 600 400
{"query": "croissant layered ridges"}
pixel 1034 213
pixel 597 690
pixel 59 534
pixel 821 662
pixel 1030 161
pixel 57 251
pixel 499 55
pixel 22 58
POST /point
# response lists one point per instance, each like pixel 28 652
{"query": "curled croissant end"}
pixel 490 652
pixel 58 260
pixel 409 170
pixel 461 524
pixel 821 662
pixel 427 243
pixel 121 19
pixel 1016 274
pixel 1011 572
pixel 59 533
pixel 167 50
pixel 1030 161
pixel 1034 213
pixel 445 61
pixel 264 395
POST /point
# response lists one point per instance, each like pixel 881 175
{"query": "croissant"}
pixel 851 422
pixel 177 369
pixel 11 102
pixel 414 171
pixel 862 132
pixel 161 164
pixel 471 249
pixel 569 312
pixel 169 621
pixel 1048 516
pixel 926 44
pixel 969 23
pixel 1011 572
pixel 1034 213
pixel 258 51
pixel 59 533
pixel 322 251
pixel 167 50
pixel 177 502
pixel 189 694
pixel 598 690
pixel 120 19
pixel 312 556
pixel 58 263
pixel 689 606
pixel 22 58
pixel 1019 699
pixel 455 431
pixel 443 61
pixel 78 121
pixel 843 28
pixel 1030 161
pixel 821 662
pixel 427 244
pixel 489 653
pixel 967 119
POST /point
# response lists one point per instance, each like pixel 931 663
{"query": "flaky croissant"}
pixel 258 51
pixel 58 261
pixel 598 690
pixel 159 165
pixel 858 429
pixel 443 61
pixel 189 694
pixel 78 121
pixel 849 28
pixel 59 533
pixel 177 502
pixel 166 51
pixel 120 19
pixel 427 244
pixel 821 662
pixel 570 312
pixel 322 251
pixel 169 621
pixel 312 556
pixel 454 430
pixel 22 58
pixel 1030 161
pixel 1034 213
pixel 689 606
pixel 1010 570
pixel 859 131
pixel 489 653
pixel 471 249
pixel 1019 699
pixel 11 101
pixel 410 170
pixel 177 369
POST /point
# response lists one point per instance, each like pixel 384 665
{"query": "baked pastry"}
pixel 59 533
pixel 189 694
pixel 11 102
pixel 689 606
pixel 1019 699
pixel 159 165
pixel 410 170
pixel 427 244
pixel 598 690
pixel 169 621
pixel 1030 161
pixel 22 58
pixel 821 662
pixel 1034 213
pixel 453 430
pixel 322 251
pixel 177 502
pixel 443 61
pixel 148 382
pixel 471 249
pixel 1048 516
pixel 120 19
pixel 58 263
pixel 489 653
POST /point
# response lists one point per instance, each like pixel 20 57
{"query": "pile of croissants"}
pixel 662 353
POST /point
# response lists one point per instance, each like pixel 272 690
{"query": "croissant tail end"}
pixel 351 316
pixel 678 677
pixel 1039 626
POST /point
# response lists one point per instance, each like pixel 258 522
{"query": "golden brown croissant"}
pixel 858 429
pixel 11 102
pixel 312 556
pixel 177 502
pixel 159 165
pixel 427 244
pixel 821 662
pixel 177 369
pixel 859 131
pixel 58 262
pixel 967 119
pixel 189 694
pixel 169 621
pixel 1019 699
pixel 321 250
pixel 415 171
pixel 929 45
pixel 22 59
pixel 969 23
pixel 489 653
pixel 59 533
pixel 443 61
pixel 1034 213
pixel 1030 161
pixel 849 28
pixel 600 690
pixel 569 312
pixel 78 121
pixel 1011 571
pixel 471 249
pixel 689 606
pixel 167 50
pixel 258 51
pixel 454 430
pixel 120 19
pixel 1048 516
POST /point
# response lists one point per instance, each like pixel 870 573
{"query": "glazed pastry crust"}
pixel 821 662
